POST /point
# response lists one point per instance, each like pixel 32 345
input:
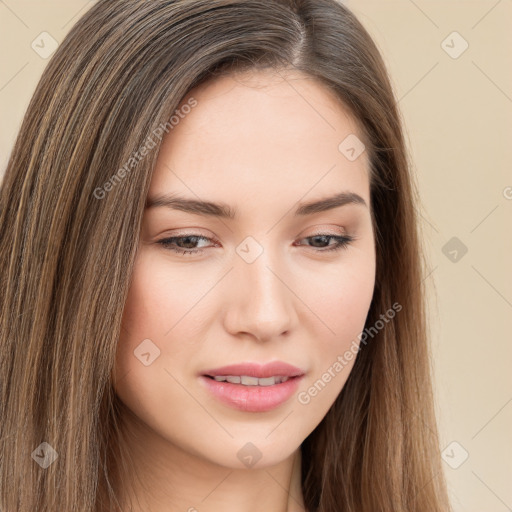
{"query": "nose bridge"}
pixel 263 305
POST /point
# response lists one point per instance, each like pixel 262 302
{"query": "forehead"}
pixel 259 133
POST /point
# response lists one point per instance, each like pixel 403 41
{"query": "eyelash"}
pixel 342 242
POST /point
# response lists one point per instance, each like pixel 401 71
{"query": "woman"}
pixel 212 273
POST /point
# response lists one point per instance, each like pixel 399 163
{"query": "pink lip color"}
pixel 254 398
pixel 261 371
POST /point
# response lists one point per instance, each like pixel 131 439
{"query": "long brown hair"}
pixel 67 251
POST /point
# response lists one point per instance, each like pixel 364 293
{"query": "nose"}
pixel 262 303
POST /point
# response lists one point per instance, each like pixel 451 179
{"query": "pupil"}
pixel 189 240
pixel 320 237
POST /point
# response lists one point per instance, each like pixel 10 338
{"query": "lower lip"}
pixel 252 398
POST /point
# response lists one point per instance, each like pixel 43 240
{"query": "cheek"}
pixel 160 298
pixel 159 318
pixel 342 299
pixel 152 308
pixel 342 306
pixel 144 322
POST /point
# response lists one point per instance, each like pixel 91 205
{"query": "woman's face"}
pixel 264 285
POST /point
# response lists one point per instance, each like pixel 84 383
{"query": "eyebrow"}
pixel 224 211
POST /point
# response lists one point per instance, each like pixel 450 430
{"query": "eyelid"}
pixel 323 229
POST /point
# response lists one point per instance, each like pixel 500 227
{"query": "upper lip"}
pixel 273 369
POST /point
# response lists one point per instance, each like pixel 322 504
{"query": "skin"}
pixel 259 142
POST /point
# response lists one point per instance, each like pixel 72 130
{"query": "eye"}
pixel 186 244
pixel 182 244
pixel 340 242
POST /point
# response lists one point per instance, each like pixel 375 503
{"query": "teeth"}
pixel 269 381
pixel 250 381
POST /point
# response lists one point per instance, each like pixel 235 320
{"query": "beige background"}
pixel 458 116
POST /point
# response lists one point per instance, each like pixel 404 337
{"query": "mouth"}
pixel 250 371
pixel 247 380
pixel 250 387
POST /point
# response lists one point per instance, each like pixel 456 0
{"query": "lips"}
pixel 252 387
pixel 261 371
